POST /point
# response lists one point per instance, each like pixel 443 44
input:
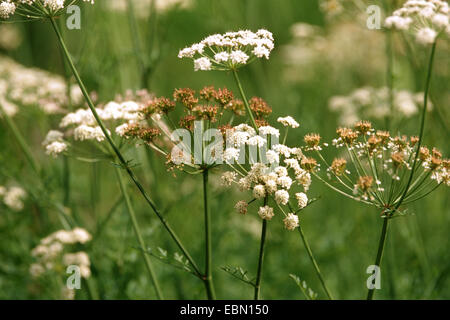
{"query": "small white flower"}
pixel 266 212
pixel 288 122
pixel 259 191
pixel 7 9
pixel 268 130
pixel 222 56
pixel 291 221
pixel 281 171
pixel 231 154
pixel 14 197
pixel 282 197
pixel 302 199
pixel 239 57
pixel 272 156
pixel 203 64
pixel 55 148
pixel 284 182
pixel 426 36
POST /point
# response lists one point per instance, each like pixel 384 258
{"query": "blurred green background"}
pixel 343 234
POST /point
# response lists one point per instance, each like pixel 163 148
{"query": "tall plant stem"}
pixel 313 260
pixel 208 278
pixel 138 234
pixel 20 140
pixel 116 151
pixel 381 244
pixel 247 107
pixel 261 257
pixel 384 229
pixel 422 124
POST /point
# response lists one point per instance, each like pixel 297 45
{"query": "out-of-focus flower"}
pixel 373 103
pixel 425 19
pixel 31 87
pixel 34 9
pixel 13 197
pixel 10 37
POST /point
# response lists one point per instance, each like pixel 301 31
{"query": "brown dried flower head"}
pixel 260 107
pixel 309 164
pixel 363 126
pixel 347 135
pixel 365 183
pixel 312 139
pixel 338 166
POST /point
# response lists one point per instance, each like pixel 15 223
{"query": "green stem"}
pixel 122 160
pixel 313 260
pixel 419 143
pixel 138 233
pixel 422 125
pixel 20 140
pixel 208 279
pixel 261 257
pixel 247 107
pixel 381 244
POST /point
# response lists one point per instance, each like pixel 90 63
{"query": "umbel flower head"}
pixel 425 19
pixel 81 126
pixel 35 9
pixel 276 176
pixel 229 51
pixel 374 168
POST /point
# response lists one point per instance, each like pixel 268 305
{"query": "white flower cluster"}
pixel 288 122
pixel 229 51
pixel 9 7
pixel 51 253
pixel 13 197
pixel 22 86
pixel 268 180
pixel 54 143
pixel 426 19
pixel 86 128
pixel 374 103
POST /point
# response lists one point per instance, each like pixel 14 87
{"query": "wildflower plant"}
pixel 426 20
pixel 35 9
pixel 373 167
pixel 229 51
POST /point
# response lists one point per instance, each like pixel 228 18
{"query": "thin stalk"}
pixel 381 244
pixel 408 184
pixel 261 257
pixel 20 140
pixel 208 278
pixel 122 160
pixel 313 260
pixel 247 107
pixel 138 234
pixel 422 124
